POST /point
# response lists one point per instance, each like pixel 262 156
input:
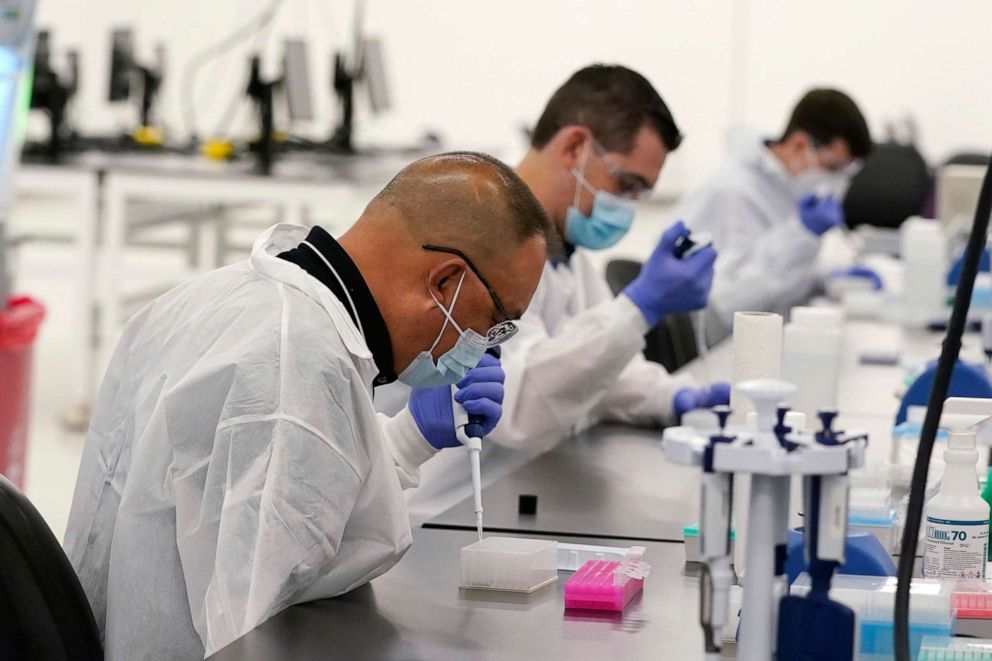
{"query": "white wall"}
pixel 476 71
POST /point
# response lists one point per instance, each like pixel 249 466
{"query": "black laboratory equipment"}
pixel 51 92
pixel 365 65
pixel 130 78
pixel 262 92
pixel 293 87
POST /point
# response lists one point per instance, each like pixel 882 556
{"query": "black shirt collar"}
pixel 372 323
pixel 565 256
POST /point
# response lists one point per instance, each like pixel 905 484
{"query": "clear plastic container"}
pixel 511 564
pixel 872 598
pixel 572 556
pixel 942 648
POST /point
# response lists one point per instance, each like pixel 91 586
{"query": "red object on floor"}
pixel 19 324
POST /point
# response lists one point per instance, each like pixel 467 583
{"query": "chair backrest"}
pixel 672 342
pixel 892 186
pixel 968 158
pixel 45 613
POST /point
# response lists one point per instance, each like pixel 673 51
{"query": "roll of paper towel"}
pixel 811 361
pixel 757 347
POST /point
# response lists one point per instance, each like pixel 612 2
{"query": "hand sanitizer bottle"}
pixel 957 518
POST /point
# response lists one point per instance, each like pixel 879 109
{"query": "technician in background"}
pixel 597 148
pixel 235 464
pixel 770 203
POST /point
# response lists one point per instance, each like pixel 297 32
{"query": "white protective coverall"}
pixel 768 259
pixel 235 464
pixel 576 361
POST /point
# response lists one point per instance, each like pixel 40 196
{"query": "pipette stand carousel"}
pixel 770 453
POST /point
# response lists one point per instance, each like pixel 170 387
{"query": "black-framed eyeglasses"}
pixel 503 330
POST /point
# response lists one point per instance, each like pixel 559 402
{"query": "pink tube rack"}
pixel 972 599
pixel 601 585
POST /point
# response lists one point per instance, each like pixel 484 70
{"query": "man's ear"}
pixel 570 144
pixel 443 279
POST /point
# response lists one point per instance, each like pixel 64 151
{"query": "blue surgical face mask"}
pixel 609 221
pixel 453 364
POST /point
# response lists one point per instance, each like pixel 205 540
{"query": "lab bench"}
pixel 611 481
pixel 417 611
pixel 610 485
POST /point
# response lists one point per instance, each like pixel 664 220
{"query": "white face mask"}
pixel 818 180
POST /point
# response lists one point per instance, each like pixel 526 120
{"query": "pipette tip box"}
pixel 603 585
pixel 943 648
pixel 510 564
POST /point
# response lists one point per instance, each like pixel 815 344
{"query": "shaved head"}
pixel 467 200
pixel 460 226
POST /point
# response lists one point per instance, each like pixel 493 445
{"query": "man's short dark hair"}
pixel 827 114
pixel 468 200
pixel 613 102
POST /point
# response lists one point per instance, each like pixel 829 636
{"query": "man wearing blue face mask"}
pixel 236 465
pixel 598 147
pixel 770 203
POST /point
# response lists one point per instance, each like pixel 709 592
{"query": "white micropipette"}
pixel 469 434
pixel 685 247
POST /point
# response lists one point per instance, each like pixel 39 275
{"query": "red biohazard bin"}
pixel 19 324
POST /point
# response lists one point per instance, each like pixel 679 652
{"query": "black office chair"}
pixel 968 158
pixel 671 343
pixel 892 186
pixel 44 613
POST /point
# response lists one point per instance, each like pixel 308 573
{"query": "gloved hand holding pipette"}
pixel 668 283
pixel 477 407
pixel 480 393
pixel 820 214
pixel 707 397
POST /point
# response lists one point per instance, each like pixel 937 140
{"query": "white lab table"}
pixel 193 194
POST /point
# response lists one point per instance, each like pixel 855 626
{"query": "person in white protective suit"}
pixel 235 464
pixel 597 148
pixel 770 203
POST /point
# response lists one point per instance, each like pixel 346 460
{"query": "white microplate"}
pixel 511 564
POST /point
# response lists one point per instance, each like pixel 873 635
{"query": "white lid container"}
pixel 511 564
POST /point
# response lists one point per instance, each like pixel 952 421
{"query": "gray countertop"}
pixel 417 611
pixel 611 481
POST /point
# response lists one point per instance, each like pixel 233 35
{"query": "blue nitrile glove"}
pixel 480 392
pixel 688 399
pixel 820 214
pixel 870 276
pixel 667 284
